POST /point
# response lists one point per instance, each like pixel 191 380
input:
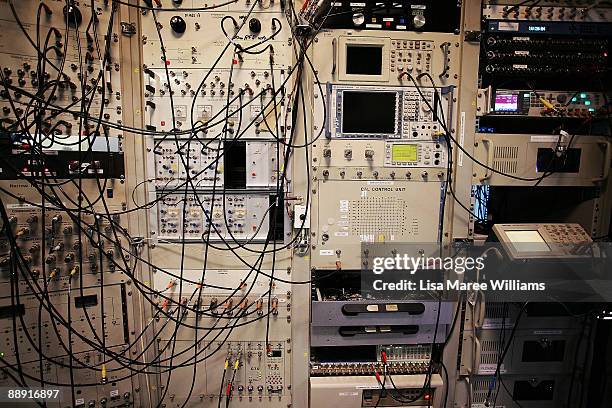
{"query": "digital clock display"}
pixel 537 28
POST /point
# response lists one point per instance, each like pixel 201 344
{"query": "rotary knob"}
pixel 418 21
pixel 178 25
pixel 255 25
pixel 358 19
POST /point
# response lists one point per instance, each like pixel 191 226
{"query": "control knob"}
pixel 255 25
pixel 178 25
pixel 418 21
pixel 358 19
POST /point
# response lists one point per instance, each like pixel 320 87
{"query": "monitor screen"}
pixel 368 112
pixel 364 59
pixel 506 102
pixel 527 241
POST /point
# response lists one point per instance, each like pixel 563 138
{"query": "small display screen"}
pixel 506 102
pixel 404 153
pixel 364 59
pixel 527 241
pixel 368 112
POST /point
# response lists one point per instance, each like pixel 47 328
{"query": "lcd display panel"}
pixel 404 153
pixel 368 112
pixel 527 241
pixel 506 102
pixel 364 59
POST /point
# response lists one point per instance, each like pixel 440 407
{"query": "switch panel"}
pixel 202 159
pixel 194 217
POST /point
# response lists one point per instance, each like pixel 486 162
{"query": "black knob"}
pixel 177 2
pixel 73 14
pixel 254 25
pixel 178 24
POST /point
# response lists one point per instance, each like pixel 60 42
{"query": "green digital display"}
pixel 404 152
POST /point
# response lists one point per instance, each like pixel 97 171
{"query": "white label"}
pixel 400 27
pixel 461 139
pixel 348 394
pixel 380 183
pixel 326 252
pixel 366 238
pixel 490 369
pixel 519 66
pixel 344 206
pixel 341 234
pixel 80 401
pixel 255 111
pixel 373 26
pixel 544 138
pixel 483 406
pixel 18 206
pixel 521 52
pixel 507 26
pixel 114 393
pixel 357 4
pixel 301 211
pixel 388 19
pixel 548 332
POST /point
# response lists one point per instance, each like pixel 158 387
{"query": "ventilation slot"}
pixel 479 391
pixel 490 350
pixel 495 311
pixel 506 152
pixel 505 159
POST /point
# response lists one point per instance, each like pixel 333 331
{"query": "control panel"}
pixel 73 78
pixel 390 58
pixel 211 164
pixel 425 154
pixel 540 103
pixel 547 157
pixel 387 113
pixel 538 241
pixel 404 15
pixel 536 13
pixel 253 368
pixel 201 163
pixel 234 103
pixel 204 217
pixel 370 211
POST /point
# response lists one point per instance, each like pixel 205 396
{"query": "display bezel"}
pixel 339 99
pixel 345 42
